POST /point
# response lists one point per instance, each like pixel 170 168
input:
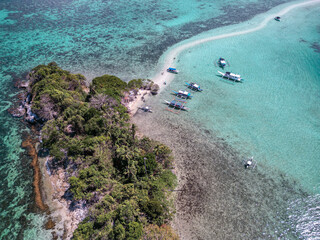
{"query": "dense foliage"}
pixel 125 181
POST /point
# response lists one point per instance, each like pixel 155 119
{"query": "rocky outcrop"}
pixel 65 213
pixel 24 106
pixel 50 181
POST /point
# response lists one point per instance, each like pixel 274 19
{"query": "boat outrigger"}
pixel 194 87
pixel 249 163
pixel 277 19
pixel 172 70
pixel 231 76
pixel 182 94
pixel 222 62
pixel 177 104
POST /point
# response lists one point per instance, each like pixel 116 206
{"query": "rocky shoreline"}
pixel 50 182
pixel 51 178
pixel 64 213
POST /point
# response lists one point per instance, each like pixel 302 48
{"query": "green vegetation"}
pixel 125 181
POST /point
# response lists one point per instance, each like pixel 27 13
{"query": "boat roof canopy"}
pixel 172 68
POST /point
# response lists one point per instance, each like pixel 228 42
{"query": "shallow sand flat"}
pixel 217 198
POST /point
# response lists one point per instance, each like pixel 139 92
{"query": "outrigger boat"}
pixel 222 62
pixel 194 87
pixel 277 19
pixel 232 76
pixel 172 70
pixel 182 94
pixel 249 163
pixel 177 104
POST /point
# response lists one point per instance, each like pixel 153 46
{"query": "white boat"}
pixel 249 163
pixel 182 94
pixel 231 76
pixel 194 87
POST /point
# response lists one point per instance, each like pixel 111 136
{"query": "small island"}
pixel 122 182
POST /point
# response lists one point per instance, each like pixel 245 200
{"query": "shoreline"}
pixel 31 147
pixel 56 176
pixel 63 217
pixel 159 79
pixel 163 76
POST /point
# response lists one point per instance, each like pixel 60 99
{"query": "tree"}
pixel 119 232
pixel 135 231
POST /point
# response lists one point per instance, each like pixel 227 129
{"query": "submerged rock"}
pixel 17 112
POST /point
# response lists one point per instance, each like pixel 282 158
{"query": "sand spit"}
pixel 217 199
pixel 162 78
pixel 165 77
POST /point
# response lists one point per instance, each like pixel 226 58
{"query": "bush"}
pixel 123 180
pixel 135 231
pixel 135 84
pixel 109 85
pixel 154 210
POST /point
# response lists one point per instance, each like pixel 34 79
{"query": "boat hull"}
pixel 181 95
pixel 230 77
pixel 194 88
pixel 181 107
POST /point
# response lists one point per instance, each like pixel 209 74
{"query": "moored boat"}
pixel 172 70
pixel 231 76
pixel 146 109
pixel 177 104
pixel 182 94
pixel 194 86
pixel 249 163
pixel 222 62
pixel 277 19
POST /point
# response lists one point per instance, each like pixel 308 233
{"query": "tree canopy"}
pixel 124 180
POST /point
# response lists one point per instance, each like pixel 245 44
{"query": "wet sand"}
pixel 216 197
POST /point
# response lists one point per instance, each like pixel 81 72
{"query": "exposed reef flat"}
pixel 216 197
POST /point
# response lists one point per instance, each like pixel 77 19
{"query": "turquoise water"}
pixel 126 38
pixel 273 116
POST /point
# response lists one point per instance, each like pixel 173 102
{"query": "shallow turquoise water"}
pixel 97 37
pixel 274 114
